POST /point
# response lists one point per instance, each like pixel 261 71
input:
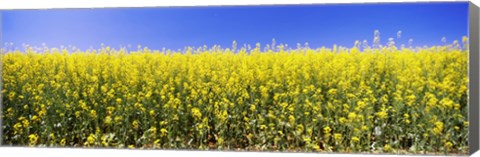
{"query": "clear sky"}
pixel 177 27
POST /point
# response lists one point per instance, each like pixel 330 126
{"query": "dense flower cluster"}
pixel 340 100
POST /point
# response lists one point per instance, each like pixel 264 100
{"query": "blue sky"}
pixel 177 27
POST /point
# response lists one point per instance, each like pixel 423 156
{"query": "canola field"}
pixel 383 100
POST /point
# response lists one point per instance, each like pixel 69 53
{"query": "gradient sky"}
pixel 177 27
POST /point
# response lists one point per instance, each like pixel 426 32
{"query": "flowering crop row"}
pixel 378 100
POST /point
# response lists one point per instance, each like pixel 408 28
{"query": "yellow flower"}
pixel 291 119
pixel 163 123
pixel 104 141
pixel 252 107
pixel 327 130
pixel 456 106
pixel 196 113
pixel 33 138
pixel 337 136
pixel 355 139
pixel 300 128
pixel 93 114
pixel 153 130
pixel 77 114
pixel 152 112
pixel 456 128
pixel 307 139
pixel 382 114
pixel 18 128
pixel 110 110
pixel 446 102
pixel 364 128
pixel 118 119
pixel 52 136
pixel 223 116
pixel 118 100
pixel 263 127
pixel 352 116
pixel 26 123
pixel 448 145
pixel 332 92
pixel 438 129
pixel 135 124
pixel 83 105
pixel 63 142
pixel 342 120
pixel 157 141
pixel 163 132
pixel 361 105
pixel 21 118
pixel 91 139
pixel 220 141
pixel 9 112
pixel 108 120
pixel 387 148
